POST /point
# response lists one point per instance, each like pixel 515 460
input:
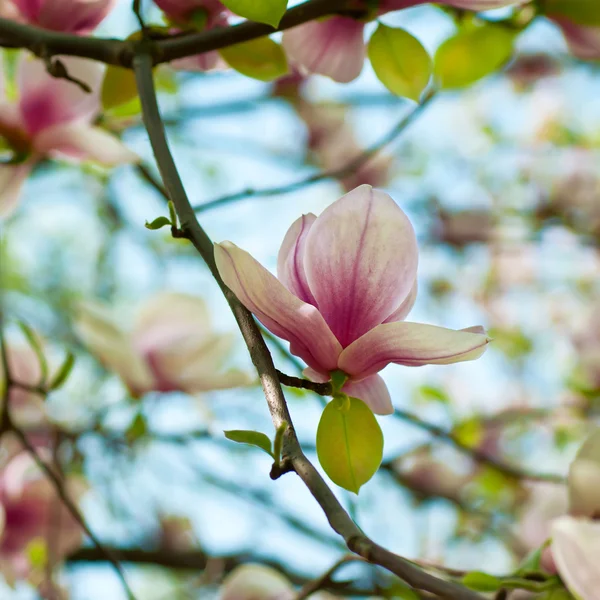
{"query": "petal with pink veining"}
pixel 360 261
pixel 83 142
pixel 402 311
pixel 12 178
pixel 334 47
pixel 290 261
pixel 575 550
pixel 278 309
pixel 410 344
pixel 372 391
pixel 46 101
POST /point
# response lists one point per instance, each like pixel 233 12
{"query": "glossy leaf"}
pixel 581 12
pixel 252 438
pixel 261 59
pixel 400 61
pixel 472 54
pixel 482 582
pixel 118 87
pixel 63 373
pixel 261 11
pixel 158 223
pixel 349 442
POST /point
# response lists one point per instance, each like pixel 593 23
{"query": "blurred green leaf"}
pixel 261 59
pixel 37 553
pixel 429 393
pixel 158 223
pixel 349 442
pixel 581 12
pixel 118 88
pixel 481 582
pixel 36 345
pixel 400 61
pixel 512 342
pixel 63 373
pixel 261 11
pixel 401 591
pixel 472 54
pixel 252 438
pixel 138 428
pixel 469 432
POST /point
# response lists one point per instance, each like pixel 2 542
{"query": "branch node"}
pixel 281 468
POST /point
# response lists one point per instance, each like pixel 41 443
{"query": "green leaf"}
pixel 137 429
pixel 37 553
pixel 158 223
pixel 401 591
pixel 472 54
pixel 119 87
pixel 261 11
pixel 63 373
pixel 252 438
pixel 400 61
pixel 481 582
pixel 581 12
pixel 35 343
pixel 261 59
pixel 278 443
pixel 349 442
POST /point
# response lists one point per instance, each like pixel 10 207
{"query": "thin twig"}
pixel 344 171
pixel 324 580
pixel 338 518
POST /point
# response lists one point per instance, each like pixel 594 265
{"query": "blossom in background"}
pixel 53 117
pixel 583 40
pixel 346 281
pixel 29 506
pixel 256 582
pixel 170 347
pixel 335 46
pixel 186 13
pixel 71 16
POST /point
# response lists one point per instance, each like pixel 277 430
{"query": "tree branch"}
pixel 336 515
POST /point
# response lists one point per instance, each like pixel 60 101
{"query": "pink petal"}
pixel 360 261
pixel 575 550
pixel 83 142
pixel 584 42
pixel 402 311
pixel 474 5
pixel 209 61
pixel 70 16
pixel 12 178
pixel 46 101
pixel 290 261
pixel 374 392
pixel 584 488
pixel 183 10
pixel 279 310
pixel 334 47
pixel 409 344
pixel 253 582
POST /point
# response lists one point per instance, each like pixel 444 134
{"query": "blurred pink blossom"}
pixel 256 582
pixel 171 346
pixel 347 280
pixel 53 118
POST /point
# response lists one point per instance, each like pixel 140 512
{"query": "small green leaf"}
pixel 472 54
pixel 581 12
pixel 401 591
pixel 137 429
pixel 400 61
pixel 481 582
pixel 252 438
pixel 119 87
pixel 338 379
pixel 63 373
pixel 37 553
pixel 278 443
pixel 349 442
pixel 261 59
pixel 158 223
pixel 261 11
pixel 35 343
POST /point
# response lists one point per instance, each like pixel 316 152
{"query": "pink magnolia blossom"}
pixel 583 41
pixel 575 550
pixel 29 506
pixel 335 46
pixel 182 13
pixel 346 281
pixel 53 118
pixel 170 347
pixel 256 582
pixel 71 16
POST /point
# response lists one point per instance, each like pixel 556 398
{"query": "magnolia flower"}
pixel 256 582
pixel 29 506
pixel 183 13
pixel 71 16
pixel 346 281
pixel 335 46
pixel 575 549
pixel 583 40
pixel 53 117
pixel 170 347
